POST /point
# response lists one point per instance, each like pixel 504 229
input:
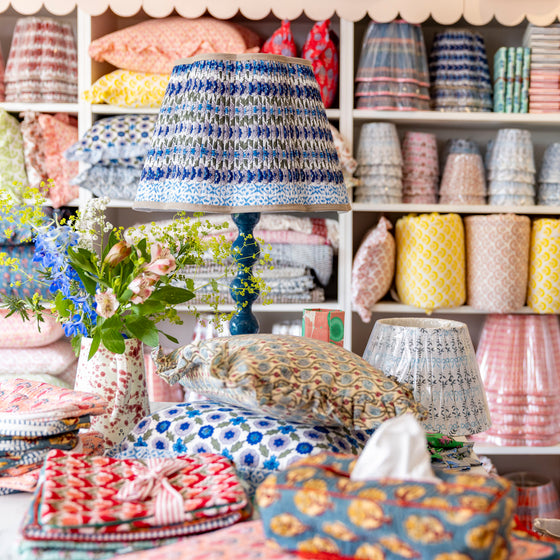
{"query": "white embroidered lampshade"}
pixel 437 358
pixel 242 134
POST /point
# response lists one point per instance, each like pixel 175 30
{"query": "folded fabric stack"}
pixel 42 66
pixel 544 89
pixel 36 352
pixel 96 507
pixel 273 400
pixel 115 148
pixel 36 417
pixel 45 138
pixel 301 250
pixel 146 52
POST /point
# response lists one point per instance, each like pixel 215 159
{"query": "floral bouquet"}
pixel 102 285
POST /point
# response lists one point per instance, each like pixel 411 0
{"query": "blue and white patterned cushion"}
pixel 257 444
pixel 120 140
pixel 114 181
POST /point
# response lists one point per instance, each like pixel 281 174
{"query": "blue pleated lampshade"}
pixel 242 133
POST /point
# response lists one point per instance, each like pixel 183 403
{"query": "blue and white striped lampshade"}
pixel 242 133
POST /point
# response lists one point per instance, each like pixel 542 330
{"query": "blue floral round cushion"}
pixel 255 443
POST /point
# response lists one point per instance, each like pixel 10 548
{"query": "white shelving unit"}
pixel 479 126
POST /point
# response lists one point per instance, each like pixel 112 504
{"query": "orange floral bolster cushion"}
pixel 289 378
pixel 314 507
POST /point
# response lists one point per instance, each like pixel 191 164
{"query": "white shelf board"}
pixel 464 120
pixel 40 107
pixel 272 308
pixel 455 208
pixel 103 109
pixel 395 307
pixel 485 449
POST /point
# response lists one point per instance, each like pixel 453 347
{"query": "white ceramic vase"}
pixel 121 380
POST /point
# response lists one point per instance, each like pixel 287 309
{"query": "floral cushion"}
pixel 321 50
pixel 16 332
pixel 281 41
pixel 114 181
pixel 155 45
pixel 121 140
pixel 257 444
pixel 289 377
pixel 373 268
pixel 125 88
pixel 315 507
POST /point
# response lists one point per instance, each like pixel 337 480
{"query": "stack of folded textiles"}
pixel 35 418
pixel 36 352
pixel 96 507
pixel 301 250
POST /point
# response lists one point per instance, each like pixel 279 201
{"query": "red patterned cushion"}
pixel 281 41
pixel 321 50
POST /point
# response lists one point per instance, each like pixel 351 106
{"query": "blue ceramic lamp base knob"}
pixel 245 250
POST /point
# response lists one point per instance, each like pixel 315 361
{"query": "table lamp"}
pixel 242 134
pixel 436 358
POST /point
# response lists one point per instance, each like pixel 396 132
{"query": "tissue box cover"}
pixel 314 507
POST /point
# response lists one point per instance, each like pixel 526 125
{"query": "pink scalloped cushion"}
pixel 155 45
pixel 321 50
pixel 281 41
pixel 18 333
pixel 373 268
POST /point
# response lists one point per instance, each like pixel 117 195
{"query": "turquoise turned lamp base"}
pixel 245 250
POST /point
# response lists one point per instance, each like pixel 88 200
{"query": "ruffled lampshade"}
pixel 437 358
pixel 242 134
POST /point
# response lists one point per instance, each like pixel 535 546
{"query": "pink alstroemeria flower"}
pixel 142 287
pixel 162 263
pixel 118 252
pixel 107 303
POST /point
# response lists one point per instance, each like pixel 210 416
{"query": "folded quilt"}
pixel 119 495
pixel 34 428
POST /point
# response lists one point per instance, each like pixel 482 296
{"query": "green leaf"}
pixel 172 294
pixel 113 340
pixel 264 451
pixel 76 342
pixel 169 337
pixel 236 447
pixel 143 329
pixel 95 342
pixel 149 307
pixel 62 305
pixel 112 240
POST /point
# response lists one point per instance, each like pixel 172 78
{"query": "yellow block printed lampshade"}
pixel 544 267
pixel 430 270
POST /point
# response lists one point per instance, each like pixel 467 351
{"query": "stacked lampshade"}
pixel 459 72
pixel 549 177
pixel 380 165
pixel 393 68
pixel 420 168
pixel 519 359
pixel 511 168
pixel 42 64
pixel 463 180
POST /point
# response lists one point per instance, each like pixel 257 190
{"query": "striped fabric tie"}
pixel 152 481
